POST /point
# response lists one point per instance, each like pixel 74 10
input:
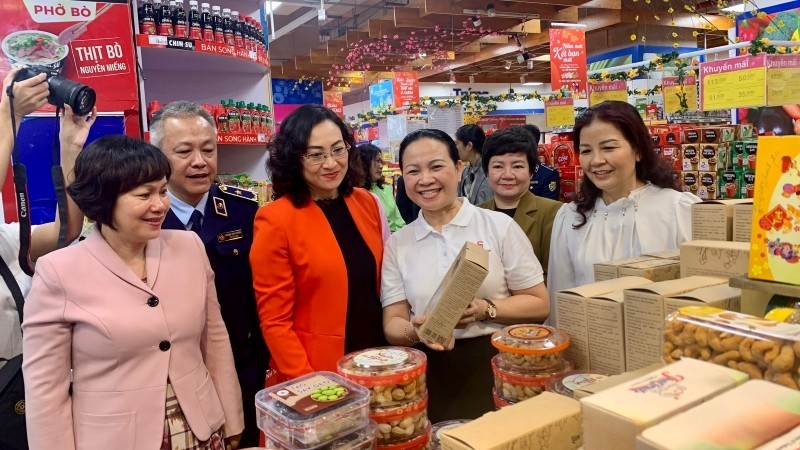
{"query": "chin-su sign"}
pixel 568 60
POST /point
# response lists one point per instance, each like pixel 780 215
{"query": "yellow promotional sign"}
pixel 559 112
pixel 672 91
pixel 607 90
pixel 738 82
pixel 783 80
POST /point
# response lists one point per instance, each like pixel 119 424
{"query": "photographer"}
pixel 29 95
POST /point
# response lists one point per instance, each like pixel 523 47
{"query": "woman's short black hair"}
pixel 535 131
pixel 625 118
pixel 367 153
pixel 429 133
pixel 472 133
pixel 290 143
pixel 514 139
pixel 110 167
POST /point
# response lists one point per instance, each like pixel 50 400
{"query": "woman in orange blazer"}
pixel 317 249
pixel 133 311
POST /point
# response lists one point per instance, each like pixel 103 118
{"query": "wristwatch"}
pixel 491 310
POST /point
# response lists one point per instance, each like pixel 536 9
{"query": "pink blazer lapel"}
pixel 99 248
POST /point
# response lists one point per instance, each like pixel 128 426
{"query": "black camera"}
pixel 79 97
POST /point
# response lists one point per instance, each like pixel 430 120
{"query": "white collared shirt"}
pixel 183 211
pixel 10 333
pixel 417 257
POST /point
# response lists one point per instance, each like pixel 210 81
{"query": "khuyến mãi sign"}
pixel 738 82
pixel 560 112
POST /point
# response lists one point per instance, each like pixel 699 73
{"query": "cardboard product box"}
pixel 713 220
pixel 654 270
pixel 614 417
pixel 545 154
pixel 740 419
pixel 572 318
pixel 746 131
pixel 749 156
pixel 564 154
pixel 708 186
pixel 691 157
pixel 742 221
pixel 690 182
pixel 557 426
pixel 789 441
pixel 716 135
pixel 610 269
pixel 721 296
pixel 605 326
pixel 729 184
pixel 748 183
pixel 455 292
pixel 613 380
pixel 644 317
pixel 571 178
pixel 714 258
pixel 709 157
pixel 775 234
pixel 674 253
pixel 690 136
pixel 672 155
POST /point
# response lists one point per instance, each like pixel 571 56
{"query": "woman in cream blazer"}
pixel 130 310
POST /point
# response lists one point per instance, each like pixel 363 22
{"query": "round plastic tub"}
pixel 402 422
pixel 437 428
pixel 567 382
pixel 531 347
pixel 312 410
pixel 393 375
pixel 500 402
pixel 418 443
pixel 362 439
pixel 515 385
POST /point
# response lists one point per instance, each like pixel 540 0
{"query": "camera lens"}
pixel 79 97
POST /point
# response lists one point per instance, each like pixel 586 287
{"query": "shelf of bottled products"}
pixel 200 46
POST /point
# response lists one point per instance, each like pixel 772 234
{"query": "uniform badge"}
pixel 219 207
pixel 233 235
pixel 552 186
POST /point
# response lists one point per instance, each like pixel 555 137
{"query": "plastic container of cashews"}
pixel 401 423
pixel 514 385
pixel 531 347
pixel 499 402
pixel 393 375
pixel 362 439
pixel 762 348
pixel 312 410
pixel 418 443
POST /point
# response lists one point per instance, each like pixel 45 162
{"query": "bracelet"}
pixel 405 333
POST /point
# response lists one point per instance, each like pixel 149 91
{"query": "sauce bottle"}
pixel 234 119
pixel 148 25
pixel 179 20
pixel 195 27
pixel 221 117
pixel 246 117
pixel 157 14
pixel 216 24
pixel 205 22
pixel 165 25
pixel 238 38
pixel 227 26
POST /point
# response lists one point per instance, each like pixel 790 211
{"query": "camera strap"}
pixel 21 193
pixel 57 175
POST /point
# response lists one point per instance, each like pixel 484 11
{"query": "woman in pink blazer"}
pixel 133 312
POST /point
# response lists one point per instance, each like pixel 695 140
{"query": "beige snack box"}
pixel 789 441
pixel 613 380
pixel 720 296
pixel 557 425
pixel 610 269
pixel 571 316
pixel 614 417
pixel 605 328
pixel 675 254
pixel 644 317
pixel 742 221
pixel 714 258
pixel 455 292
pixel 654 270
pixel 740 419
pixel 713 220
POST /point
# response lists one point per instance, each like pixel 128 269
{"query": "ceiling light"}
pixel 507 65
pixel 422 54
pixel 533 83
pixel 490 10
pixel 567 25
pixel 530 64
pixel 522 57
pixel 476 21
pixel 453 78
pixel 545 57
pixel 734 8
pixel 522 79
pixel 471 79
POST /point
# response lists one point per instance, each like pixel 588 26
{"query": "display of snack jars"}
pixel 401 423
pixel 531 347
pixel 567 382
pixel 514 385
pixel 500 402
pixel 437 428
pixel 393 375
pixel 312 410
pixel 362 439
pixel 418 443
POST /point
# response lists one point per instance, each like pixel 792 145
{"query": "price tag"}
pixel 559 112
pixel 783 80
pixel 738 82
pixel 671 89
pixel 607 90
pixel 180 43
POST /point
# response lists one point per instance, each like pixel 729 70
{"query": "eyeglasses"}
pixel 317 158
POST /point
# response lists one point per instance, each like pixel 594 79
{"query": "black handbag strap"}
pixel 13 286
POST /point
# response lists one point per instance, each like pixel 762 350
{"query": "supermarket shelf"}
pixel 771 287
pixel 168 53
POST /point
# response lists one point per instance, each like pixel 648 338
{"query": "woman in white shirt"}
pixel 417 257
pixel 627 204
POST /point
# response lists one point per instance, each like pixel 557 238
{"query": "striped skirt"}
pixel 178 435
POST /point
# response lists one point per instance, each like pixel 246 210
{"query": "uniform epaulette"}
pixel 238 192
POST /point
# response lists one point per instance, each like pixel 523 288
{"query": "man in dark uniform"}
pixel 223 218
pixel 544 179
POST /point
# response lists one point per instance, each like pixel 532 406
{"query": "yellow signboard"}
pixel 559 112
pixel 783 80
pixel 671 91
pixel 607 90
pixel 738 82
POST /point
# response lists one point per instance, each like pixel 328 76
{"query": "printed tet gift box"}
pixel 775 237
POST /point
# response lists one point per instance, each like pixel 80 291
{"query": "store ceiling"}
pixel 310 48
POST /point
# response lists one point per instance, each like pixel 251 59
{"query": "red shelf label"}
pixel 146 40
pixel 254 139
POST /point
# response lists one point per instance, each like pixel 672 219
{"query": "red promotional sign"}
pixel 405 87
pixel 492 123
pixel 568 60
pixel 333 101
pixel 87 42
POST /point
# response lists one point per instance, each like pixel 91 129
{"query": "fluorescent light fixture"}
pixel 530 64
pixel 735 8
pixel 542 58
pixel 271 6
pixel 567 25
pixel 533 83
pixel 471 79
